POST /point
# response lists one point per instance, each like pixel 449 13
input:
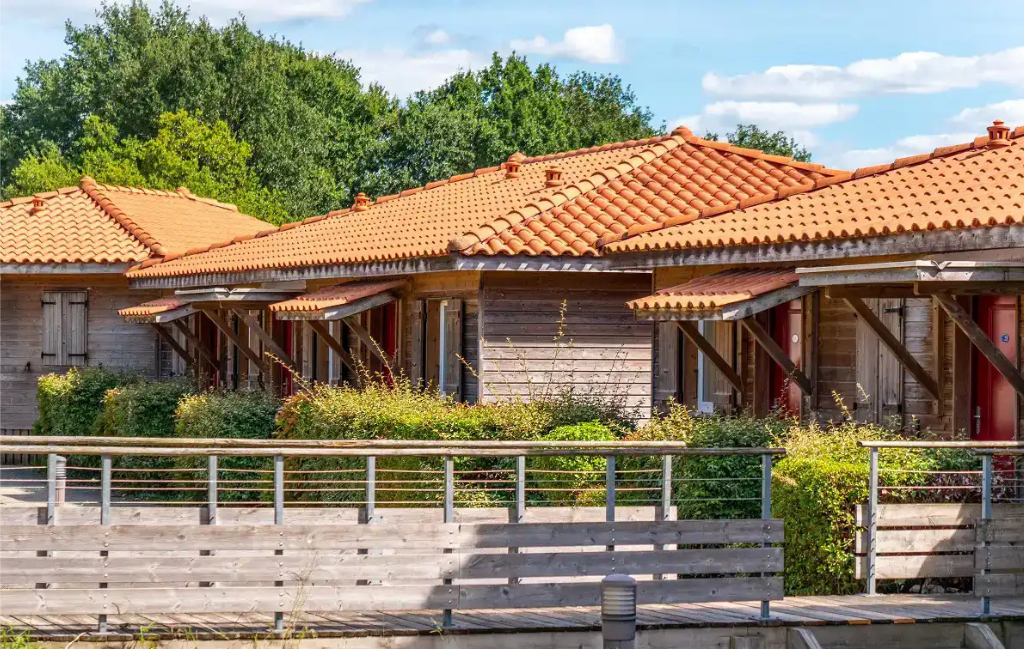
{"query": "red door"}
pixel 786 327
pixel 995 402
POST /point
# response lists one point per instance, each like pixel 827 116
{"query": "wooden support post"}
pixel 812 320
pixel 364 335
pixel 196 342
pixel 776 354
pixel 172 343
pixel 962 370
pixel 325 334
pixel 893 344
pixel 710 353
pixel 238 342
pixel 978 338
pixel 267 339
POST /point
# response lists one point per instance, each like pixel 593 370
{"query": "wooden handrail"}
pixel 937 444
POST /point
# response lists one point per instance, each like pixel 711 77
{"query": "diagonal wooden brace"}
pixel 235 340
pixel 777 355
pixel 981 341
pixel 196 343
pixel 893 344
pixel 710 353
pixel 172 343
pixel 321 330
pixel 268 340
pixel 367 339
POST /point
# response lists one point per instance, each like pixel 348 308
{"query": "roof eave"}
pixel 72 268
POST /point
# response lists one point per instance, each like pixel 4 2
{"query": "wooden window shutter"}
pixel 418 321
pixel 666 364
pixel 879 396
pixel 724 340
pixel 453 349
pixel 75 317
pixel 53 327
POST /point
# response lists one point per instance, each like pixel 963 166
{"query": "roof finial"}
pixel 553 176
pixel 998 135
pixel 37 205
pixel 362 202
pixel 512 165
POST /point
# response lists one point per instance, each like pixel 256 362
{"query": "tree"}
pixel 185 151
pixel 749 136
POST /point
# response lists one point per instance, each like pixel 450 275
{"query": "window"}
pixel 437 344
pixel 64 327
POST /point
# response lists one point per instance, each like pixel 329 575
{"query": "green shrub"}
pixel 69 403
pixel 711 486
pixel 235 415
pixel 570 480
pixel 142 409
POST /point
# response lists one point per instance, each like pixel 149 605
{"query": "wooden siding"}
pixel 604 349
pixel 111 342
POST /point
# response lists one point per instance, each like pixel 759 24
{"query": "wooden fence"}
pixel 217 559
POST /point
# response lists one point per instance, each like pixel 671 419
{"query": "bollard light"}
pixel 618 611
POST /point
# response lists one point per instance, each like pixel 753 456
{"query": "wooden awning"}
pixel 164 309
pixel 244 298
pixel 731 294
pixel 924 277
pixel 339 301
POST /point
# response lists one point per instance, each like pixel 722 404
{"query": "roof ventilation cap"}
pixel 512 165
pixel 998 135
pixel 362 202
pixel 553 176
pixel 37 204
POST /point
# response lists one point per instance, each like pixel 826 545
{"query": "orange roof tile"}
pixel 337 295
pixel 963 186
pixel 94 223
pixel 418 222
pixel 153 307
pixel 718 289
pixel 683 179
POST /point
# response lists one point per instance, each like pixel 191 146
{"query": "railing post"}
pixel 519 514
pixel 106 468
pixel 51 501
pixel 609 494
pixel 371 488
pixel 211 505
pixel 664 510
pixel 986 514
pixel 279 520
pixel 61 482
pixel 449 517
pixel 766 514
pixel 872 518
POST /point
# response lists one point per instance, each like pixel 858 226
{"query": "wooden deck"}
pixel 792 611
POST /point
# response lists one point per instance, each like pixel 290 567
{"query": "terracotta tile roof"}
pixel 682 179
pixel 94 223
pixel 337 295
pixel 718 289
pixel 153 307
pixel 954 187
pixel 418 222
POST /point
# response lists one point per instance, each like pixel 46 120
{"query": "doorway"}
pixel 994 404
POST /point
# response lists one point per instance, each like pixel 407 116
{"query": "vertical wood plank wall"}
pixel 111 341
pixel 605 350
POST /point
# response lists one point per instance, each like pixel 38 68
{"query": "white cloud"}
pixel 907 146
pixel 402 72
pixel 218 11
pixel 437 37
pixel 593 44
pixel 786 115
pixel 910 72
pixel 978 119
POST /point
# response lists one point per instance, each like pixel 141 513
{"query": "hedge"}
pixel 570 480
pixel 69 403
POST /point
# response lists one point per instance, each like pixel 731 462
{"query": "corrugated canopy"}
pixel 728 295
pixel 338 301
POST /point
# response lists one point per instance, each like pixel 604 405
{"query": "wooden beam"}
pixel 325 334
pixel 196 342
pixel 710 353
pixel 895 346
pixel 812 319
pixel 235 340
pixel 777 355
pixel 988 349
pixel 367 339
pixel 969 288
pixel 875 291
pixel 267 339
pixel 174 344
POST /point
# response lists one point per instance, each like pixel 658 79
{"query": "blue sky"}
pixel 858 82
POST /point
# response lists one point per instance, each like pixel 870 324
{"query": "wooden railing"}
pixel 983 540
pixel 110 560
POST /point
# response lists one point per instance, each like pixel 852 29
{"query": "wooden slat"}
pixel 999 557
pixel 1001 530
pixel 917 566
pixel 935 515
pixel 919 541
pixel 999 585
pixel 340 537
pixel 648 592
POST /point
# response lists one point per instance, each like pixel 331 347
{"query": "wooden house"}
pixel 63 255
pixel 486 284
pixel 893 293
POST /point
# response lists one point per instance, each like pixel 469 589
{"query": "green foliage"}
pixel 316 134
pixel 69 403
pixel 570 480
pixel 234 415
pixel 749 136
pixel 13 639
